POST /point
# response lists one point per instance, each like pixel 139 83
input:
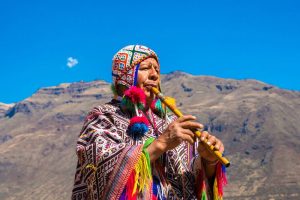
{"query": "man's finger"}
pixel 186 118
pixel 188 132
pixel 188 138
pixel 211 140
pixel 191 125
pixel 204 135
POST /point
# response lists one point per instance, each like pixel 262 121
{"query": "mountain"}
pixel 258 123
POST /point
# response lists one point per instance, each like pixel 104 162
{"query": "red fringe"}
pixel 129 187
pixel 221 179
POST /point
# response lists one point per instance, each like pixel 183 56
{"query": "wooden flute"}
pixel 211 148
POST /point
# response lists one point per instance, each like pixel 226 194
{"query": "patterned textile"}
pixel 125 64
pixel 106 155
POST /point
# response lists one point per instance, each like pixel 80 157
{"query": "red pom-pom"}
pixel 136 95
pixel 139 119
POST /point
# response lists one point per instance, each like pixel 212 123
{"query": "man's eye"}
pixel 143 68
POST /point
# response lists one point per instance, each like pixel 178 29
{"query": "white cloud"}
pixel 72 62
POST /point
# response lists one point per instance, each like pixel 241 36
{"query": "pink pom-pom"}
pixel 136 95
pixel 139 119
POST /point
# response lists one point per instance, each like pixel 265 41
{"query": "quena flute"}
pixel 222 159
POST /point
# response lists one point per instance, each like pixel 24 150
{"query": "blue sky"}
pixel 226 38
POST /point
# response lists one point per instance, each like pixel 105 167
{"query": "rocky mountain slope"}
pixel 259 124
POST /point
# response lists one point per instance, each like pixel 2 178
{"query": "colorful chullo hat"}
pixel 125 71
pixel 126 63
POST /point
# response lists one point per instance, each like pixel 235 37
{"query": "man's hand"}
pixel 179 131
pixel 212 140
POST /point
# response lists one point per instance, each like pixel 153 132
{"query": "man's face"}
pixel 148 76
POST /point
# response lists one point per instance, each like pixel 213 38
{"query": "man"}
pixel 134 148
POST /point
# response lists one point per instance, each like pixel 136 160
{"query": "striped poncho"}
pixel 112 165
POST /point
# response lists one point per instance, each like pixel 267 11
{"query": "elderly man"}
pixel 135 148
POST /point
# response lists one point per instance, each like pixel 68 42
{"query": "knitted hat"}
pixel 126 63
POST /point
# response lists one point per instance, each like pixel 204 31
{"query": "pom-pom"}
pixel 160 108
pixel 127 104
pixel 156 107
pixel 139 119
pixel 134 95
pixel 138 126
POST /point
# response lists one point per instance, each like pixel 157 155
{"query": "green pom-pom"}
pixel 126 103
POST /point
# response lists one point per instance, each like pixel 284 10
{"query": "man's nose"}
pixel 153 74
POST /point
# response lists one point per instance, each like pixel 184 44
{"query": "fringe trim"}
pixel 203 193
pixel 219 182
pixel 140 180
